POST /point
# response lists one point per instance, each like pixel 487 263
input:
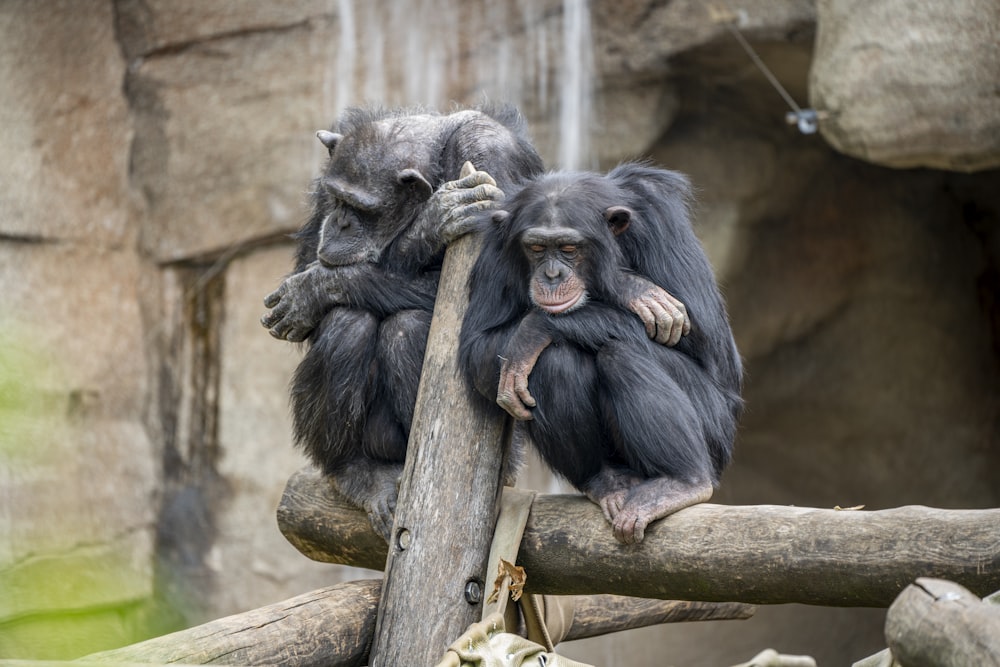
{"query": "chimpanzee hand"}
pixel 301 301
pixel 664 316
pixel 521 354
pixel 456 202
pixel 449 213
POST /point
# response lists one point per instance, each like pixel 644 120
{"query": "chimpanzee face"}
pixel 562 246
pixel 556 255
pixel 372 189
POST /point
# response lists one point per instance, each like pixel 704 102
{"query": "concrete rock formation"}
pixel 155 158
pixel 910 84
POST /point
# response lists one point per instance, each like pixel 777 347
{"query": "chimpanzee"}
pixel 641 428
pixel 366 276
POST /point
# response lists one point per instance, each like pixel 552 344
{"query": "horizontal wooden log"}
pixel 596 615
pixel 329 626
pixel 334 626
pixel 762 554
pixel 935 623
pixel 318 522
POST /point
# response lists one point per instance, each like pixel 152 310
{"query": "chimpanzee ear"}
pixel 500 216
pixel 329 139
pixel 619 218
pixel 416 181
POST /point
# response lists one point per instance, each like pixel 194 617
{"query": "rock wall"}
pixel 155 155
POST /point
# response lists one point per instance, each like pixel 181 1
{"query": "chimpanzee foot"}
pixel 629 526
pixel 381 509
pixel 612 504
pixel 372 487
pixel 609 489
pixel 652 500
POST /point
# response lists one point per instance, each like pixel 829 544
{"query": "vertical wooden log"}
pixel 435 577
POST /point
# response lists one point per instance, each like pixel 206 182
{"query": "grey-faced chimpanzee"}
pixel 641 428
pixel 366 275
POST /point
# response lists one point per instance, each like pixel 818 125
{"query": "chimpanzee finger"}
pixel 682 309
pixel 272 299
pixel 463 217
pixel 619 529
pixel 476 178
pixel 649 319
pixel 470 181
pixel 275 316
pixel 509 400
pixel 268 320
pixel 628 528
pixel 513 407
pixel 297 334
pixel 465 202
pixel 638 531
pixel 676 331
pixel 521 389
pixel 671 328
pixel 378 523
pixel 611 505
pixel 483 192
pixel 486 192
pixel 278 332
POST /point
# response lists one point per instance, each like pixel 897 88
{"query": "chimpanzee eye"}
pixel 536 248
pixel 568 250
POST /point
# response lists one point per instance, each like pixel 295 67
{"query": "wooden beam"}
pixel 435 575
pixel 939 623
pixel 596 615
pixel 762 554
pixel 329 626
pixel 333 627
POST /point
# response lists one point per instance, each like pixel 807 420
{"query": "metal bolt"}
pixel 403 539
pixel 473 592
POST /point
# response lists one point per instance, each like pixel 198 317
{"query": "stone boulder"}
pixel 910 84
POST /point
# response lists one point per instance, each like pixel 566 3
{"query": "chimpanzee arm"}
pixel 589 327
pixel 663 315
pixel 594 324
pixel 302 300
pixel 521 353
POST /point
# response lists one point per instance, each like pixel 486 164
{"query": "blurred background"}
pixel 156 154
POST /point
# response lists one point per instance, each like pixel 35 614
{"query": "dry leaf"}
pixel 848 509
pixel 517 579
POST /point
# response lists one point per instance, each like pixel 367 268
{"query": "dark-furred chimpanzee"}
pixel 642 429
pixel 366 275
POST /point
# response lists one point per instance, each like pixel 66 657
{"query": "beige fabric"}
pixel 485 644
pixel 547 618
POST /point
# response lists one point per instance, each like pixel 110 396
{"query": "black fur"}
pixel 353 394
pixel 606 395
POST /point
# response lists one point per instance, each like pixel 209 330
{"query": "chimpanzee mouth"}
pixel 560 307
